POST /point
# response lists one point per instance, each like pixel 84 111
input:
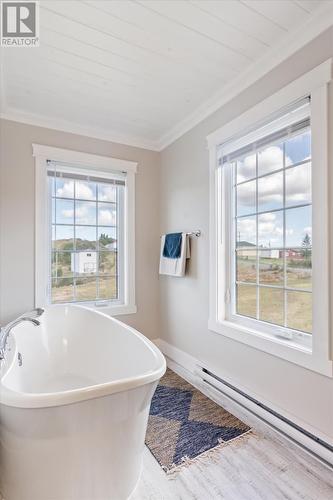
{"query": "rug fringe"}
pixel 210 454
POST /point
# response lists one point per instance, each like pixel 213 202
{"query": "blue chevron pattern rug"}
pixel 183 423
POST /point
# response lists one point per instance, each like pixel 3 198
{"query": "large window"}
pixel 87 232
pixel 269 225
pixel 272 230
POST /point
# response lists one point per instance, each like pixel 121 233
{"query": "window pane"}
pixel 107 288
pixel 299 268
pixel 62 290
pixel 107 238
pixel 270 159
pixel 107 263
pixel 107 215
pixel 85 212
pixel 246 300
pixel 61 265
pixel 270 192
pixel 84 263
pixel 51 185
pixel 298 226
pixel 271 305
pixel 298 185
pixel 299 311
pixel 86 289
pixel 298 148
pixel 246 229
pixel 64 188
pixel 53 211
pixel 270 230
pixel 63 238
pixel 85 190
pixel 246 198
pixel 271 267
pixel 64 211
pixel 246 265
pixel 107 193
pixel 246 168
pixel 85 238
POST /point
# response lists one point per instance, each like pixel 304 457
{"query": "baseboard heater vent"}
pixel 296 433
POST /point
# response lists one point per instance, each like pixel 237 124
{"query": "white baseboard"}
pixel 190 368
pixel 182 358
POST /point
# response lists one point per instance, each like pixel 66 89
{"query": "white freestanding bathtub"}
pixel 74 402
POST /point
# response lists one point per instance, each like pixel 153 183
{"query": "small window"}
pixel 86 236
pixel 85 230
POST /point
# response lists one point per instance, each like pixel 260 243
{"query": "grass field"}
pixel 271 301
pixel 87 286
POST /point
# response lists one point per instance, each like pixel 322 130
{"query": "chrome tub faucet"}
pixel 5 331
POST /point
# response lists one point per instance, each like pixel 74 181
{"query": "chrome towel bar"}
pixel 196 233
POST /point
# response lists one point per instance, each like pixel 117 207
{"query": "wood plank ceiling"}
pixel 138 68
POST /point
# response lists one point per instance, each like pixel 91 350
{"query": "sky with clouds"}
pixel 86 211
pixel 270 194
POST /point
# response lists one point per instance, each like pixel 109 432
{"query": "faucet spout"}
pixel 5 331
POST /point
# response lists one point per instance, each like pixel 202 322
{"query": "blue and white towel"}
pixel 178 250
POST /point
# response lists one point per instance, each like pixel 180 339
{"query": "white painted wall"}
pixel 17 192
pixel 184 189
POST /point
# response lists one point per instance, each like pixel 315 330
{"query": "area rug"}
pixel 183 424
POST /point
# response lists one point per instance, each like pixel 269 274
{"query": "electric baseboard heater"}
pixel 308 441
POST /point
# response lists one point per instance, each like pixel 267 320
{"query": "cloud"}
pixel 270 234
pixel 246 168
pixel 106 193
pixel 84 191
pixel 68 213
pixel 87 215
pixel 298 184
pixel 106 217
pixel 66 191
pixel 267 217
pixel 270 188
pixel 270 229
pixel 246 230
pixel 270 159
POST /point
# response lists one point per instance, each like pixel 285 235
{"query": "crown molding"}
pixel 308 31
pixel 36 120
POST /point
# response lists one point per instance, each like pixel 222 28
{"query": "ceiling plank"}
pixel 189 17
pixel 286 14
pixel 180 48
pixel 252 23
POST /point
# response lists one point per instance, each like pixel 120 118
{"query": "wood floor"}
pixel 263 466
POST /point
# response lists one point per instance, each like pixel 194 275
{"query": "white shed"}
pixel 84 262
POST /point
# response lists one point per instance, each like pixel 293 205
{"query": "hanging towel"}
pixel 172 245
pixel 175 266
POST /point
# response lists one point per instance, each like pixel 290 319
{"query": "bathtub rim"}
pixel 26 400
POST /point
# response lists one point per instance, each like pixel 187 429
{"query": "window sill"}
pixel 286 349
pixel 111 310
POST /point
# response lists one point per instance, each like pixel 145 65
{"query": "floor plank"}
pixel 260 468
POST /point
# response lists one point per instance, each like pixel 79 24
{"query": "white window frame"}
pixel 89 164
pixel 318 356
